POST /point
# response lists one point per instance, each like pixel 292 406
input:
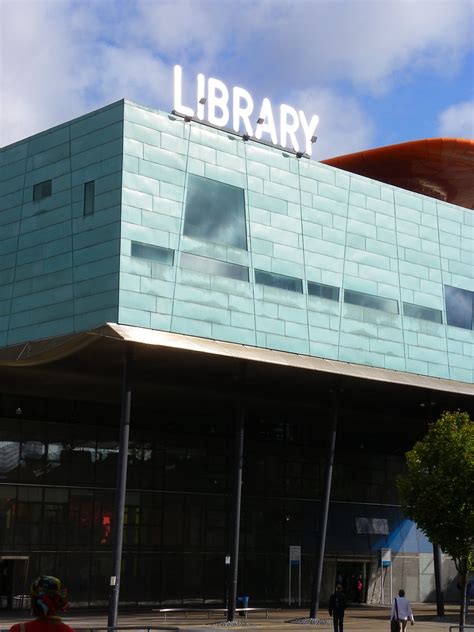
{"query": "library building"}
pixel 261 337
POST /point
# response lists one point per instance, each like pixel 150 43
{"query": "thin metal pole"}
pixel 236 498
pixel 121 488
pixel 316 592
pixel 438 580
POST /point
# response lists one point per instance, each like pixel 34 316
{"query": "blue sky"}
pixel 376 72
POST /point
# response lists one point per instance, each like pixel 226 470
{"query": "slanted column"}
pixel 236 501
pixel 121 488
pixel 331 448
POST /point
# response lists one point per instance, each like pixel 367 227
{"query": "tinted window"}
pixel 89 191
pixel 215 212
pixel 424 313
pixel 459 307
pixel 212 266
pixel 324 291
pixel 369 300
pixel 42 190
pixel 279 280
pixel 154 253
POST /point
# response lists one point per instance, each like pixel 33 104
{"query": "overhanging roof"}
pixel 42 352
pixel 442 168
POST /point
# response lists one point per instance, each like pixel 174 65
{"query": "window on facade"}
pixel 279 280
pixel 323 291
pixel 42 190
pixel 424 313
pixel 459 307
pixel 153 253
pixel 369 300
pixel 215 267
pixel 89 194
pixel 215 212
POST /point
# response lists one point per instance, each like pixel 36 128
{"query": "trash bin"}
pixel 243 603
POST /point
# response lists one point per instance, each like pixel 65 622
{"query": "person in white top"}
pixel 401 610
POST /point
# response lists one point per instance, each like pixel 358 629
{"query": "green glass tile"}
pixel 136 317
pixel 191 327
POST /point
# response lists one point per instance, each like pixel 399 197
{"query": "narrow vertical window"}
pixel 89 189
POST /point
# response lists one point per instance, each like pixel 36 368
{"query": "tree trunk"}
pixel 462 610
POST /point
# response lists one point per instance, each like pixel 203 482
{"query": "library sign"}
pixel 219 105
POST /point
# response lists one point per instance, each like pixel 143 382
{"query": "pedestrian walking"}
pixel 47 600
pixel 359 589
pixel 337 607
pixel 401 613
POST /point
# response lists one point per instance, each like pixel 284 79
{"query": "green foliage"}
pixel 438 490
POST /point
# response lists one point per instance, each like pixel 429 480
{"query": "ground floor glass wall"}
pixel 57 472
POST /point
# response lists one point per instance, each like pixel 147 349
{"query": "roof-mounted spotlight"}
pixel 313 139
pixel 203 100
pixel 245 137
pixel 299 154
pixel 187 118
pixel 260 121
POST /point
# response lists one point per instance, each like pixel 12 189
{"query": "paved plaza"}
pixel 362 618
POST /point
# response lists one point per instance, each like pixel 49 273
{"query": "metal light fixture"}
pixel 203 100
pixel 313 139
pixel 260 121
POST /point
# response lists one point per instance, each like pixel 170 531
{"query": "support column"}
pixel 316 592
pixel 236 499
pixel 438 580
pixel 121 487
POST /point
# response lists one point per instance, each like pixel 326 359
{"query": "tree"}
pixel 437 492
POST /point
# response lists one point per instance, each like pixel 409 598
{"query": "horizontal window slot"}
pixel 369 300
pixel 214 267
pixel 281 281
pixel 323 291
pixel 152 253
pixel 423 313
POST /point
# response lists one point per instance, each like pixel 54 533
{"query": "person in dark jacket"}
pixel 336 608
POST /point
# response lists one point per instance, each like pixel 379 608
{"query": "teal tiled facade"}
pixel 62 271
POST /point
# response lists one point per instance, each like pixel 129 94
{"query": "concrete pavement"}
pixel 358 619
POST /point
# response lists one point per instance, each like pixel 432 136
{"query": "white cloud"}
pixel 363 42
pixel 61 58
pixel 457 121
pixel 343 127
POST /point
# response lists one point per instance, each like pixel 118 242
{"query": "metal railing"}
pixel 126 628
pixel 457 628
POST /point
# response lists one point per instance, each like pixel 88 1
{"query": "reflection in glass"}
pixel 323 291
pixel 423 313
pixel 459 307
pixel 215 212
pixel 54 451
pixel 369 300
pixel 9 456
pixel 212 266
pixel 279 280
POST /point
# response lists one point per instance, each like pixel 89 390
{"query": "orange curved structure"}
pixel 442 168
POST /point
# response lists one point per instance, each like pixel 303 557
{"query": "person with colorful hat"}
pixel 47 600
